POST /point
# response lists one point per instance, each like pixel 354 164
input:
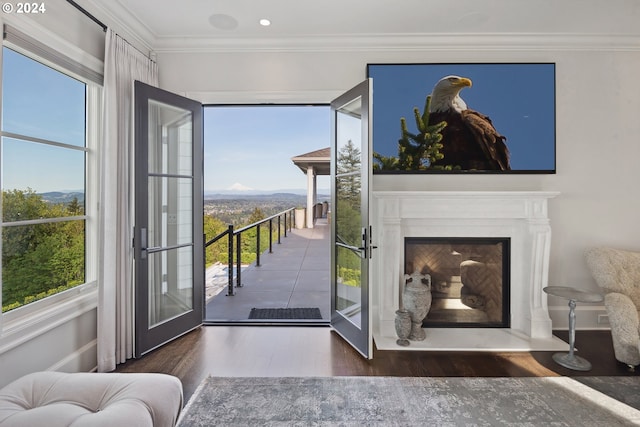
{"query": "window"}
pixel 44 159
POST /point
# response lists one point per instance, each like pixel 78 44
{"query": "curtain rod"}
pixel 87 14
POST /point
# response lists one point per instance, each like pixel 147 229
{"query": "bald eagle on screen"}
pixel 469 140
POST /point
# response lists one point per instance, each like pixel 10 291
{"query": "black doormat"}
pixel 285 313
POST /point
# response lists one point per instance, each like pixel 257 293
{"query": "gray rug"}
pixel 395 401
pixel 623 388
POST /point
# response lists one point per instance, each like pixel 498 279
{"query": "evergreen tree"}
pixel 75 208
pixel 256 216
pixel 349 164
pixel 416 151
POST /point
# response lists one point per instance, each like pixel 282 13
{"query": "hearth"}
pixel 469 279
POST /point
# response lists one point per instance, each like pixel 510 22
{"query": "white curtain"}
pixel 122 65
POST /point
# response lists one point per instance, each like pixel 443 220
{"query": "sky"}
pixel 248 146
pixel 519 99
pixel 253 145
pixel 58 115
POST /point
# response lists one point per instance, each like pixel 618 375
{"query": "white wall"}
pixel 597 105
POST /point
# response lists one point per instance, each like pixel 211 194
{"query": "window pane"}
pixel 49 178
pixel 41 260
pixel 40 102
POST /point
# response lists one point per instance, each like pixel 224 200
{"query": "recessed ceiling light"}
pixel 265 22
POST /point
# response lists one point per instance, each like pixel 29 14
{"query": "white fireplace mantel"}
pixel 519 215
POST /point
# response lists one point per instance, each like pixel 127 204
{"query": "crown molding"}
pixel 402 42
pixel 139 34
pixel 121 21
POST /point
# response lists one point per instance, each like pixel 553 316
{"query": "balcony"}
pixel 296 274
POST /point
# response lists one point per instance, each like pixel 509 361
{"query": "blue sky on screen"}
pixel 519 99
pixel 253 145
pixel 40 102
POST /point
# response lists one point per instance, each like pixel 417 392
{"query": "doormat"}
pixel 285 313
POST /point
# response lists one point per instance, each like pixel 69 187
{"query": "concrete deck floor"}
pixel 296 274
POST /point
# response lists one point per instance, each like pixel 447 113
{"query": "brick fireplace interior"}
pixel 469 279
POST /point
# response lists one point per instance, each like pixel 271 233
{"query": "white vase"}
pixel 417 301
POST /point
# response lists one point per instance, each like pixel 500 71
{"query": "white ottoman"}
pixel 90 399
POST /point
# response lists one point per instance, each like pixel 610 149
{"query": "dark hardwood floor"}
pixel 247 351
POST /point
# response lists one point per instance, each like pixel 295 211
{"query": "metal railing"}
pixel 232 234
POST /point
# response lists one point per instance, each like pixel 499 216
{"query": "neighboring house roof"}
pixel 320 160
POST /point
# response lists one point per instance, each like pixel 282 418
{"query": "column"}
pixel 311 195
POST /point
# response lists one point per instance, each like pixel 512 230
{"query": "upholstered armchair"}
pixel 617 273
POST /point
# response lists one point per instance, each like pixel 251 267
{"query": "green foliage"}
pixel 39 260
pixel 219 251
pixel 349 276
pixel 416 151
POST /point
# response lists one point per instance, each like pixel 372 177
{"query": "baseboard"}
pixel 587 317
pixel 81 360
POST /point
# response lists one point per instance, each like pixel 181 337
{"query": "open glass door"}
pixel 350 230
pixel 169 257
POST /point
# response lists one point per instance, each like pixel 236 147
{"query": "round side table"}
pixel 569 360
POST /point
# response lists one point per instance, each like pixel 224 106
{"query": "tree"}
pixel 256 216
pixel 74 207
pixel 39 259
pixel 218 251
pixel 416 151
pixel 348 165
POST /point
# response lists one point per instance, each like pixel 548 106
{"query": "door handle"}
pixel 367 246
pixel 144 250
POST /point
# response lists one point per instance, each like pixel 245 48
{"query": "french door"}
pixel 169 260
pixel 351 247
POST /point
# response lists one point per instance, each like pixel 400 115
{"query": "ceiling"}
pixel 164 23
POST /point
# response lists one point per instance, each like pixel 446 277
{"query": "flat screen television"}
pixel 499 118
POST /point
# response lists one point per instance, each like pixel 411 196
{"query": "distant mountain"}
pixel 212 194
pixel 267 196
pixel 56 197
pixel 239 187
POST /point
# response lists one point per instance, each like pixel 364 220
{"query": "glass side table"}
pixel 569 360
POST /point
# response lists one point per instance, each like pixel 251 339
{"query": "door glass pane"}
pixel 349 137
pixel 348 212
pixel 348 283
pixel 170 204
pixel 170 284
pixel 170 211
pixel 170 140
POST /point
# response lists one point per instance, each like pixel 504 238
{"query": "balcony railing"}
pixel 283 220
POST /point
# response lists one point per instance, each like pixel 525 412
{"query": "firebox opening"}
pixel 469 279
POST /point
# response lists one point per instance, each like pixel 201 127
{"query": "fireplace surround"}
pixel 520 216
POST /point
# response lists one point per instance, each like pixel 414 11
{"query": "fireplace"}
pixel 469 278
pixel 520 218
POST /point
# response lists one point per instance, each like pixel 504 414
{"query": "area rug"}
pixel 399 401
pixel 622 388
pixel 285 313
